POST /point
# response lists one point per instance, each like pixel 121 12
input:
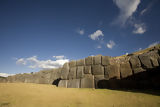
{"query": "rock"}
pixel 80 72
pixel 89 60
pixel 75 83
pixel 65 71
pixel 87 82
pixel 72 73
pixel 97 78
pixel 97 59
pixel 81 62
pixel 87 70
pixel 98 70
pixel 112 71
pixel 125 70
pixel 105 60
pixel 63 83
pixel 145 60
pixel 72 63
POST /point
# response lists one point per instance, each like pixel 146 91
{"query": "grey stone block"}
pixel 98 78
pixel 98 70
pixel 65 71
pixel 89 60
pixel 72 73
pixel 105 60
pixel 135 62
pixel 87 70
pixel 145 60
pixel 97 59
pixel 80 72
pixel 113 71
pixel 125 70
pixel 87 82
pixel 63 83
pixel 72 63
pixel 81 62
pixel 75 83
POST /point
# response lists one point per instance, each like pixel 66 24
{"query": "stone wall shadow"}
pixel 56 82
pixel 145 82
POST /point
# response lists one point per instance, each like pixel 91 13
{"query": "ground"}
pixel 41 95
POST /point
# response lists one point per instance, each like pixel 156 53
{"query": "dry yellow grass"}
pixel 39 95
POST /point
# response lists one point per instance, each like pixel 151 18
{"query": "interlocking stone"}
pixel 97 59
pixel 72 73
pixel 65 71
pixel 63 83
pixel 87 70
pixel 125 70
pixel 72 63
pixel 89 60
pixel 75 83
pixel 87 82
pixel 105 60
pixel 80 72
pixel 145 60
pixel 98 70
pixel 81 62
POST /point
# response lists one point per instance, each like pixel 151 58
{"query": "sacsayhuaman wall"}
pixel 137 70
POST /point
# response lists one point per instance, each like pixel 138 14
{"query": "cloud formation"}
pixel 80 31
pixel 153 44
pixel 110 44
pixel 96 35
pixel 5 74
pixel 59 57
pixel 33 62
pixel 139 28
pixel 127 8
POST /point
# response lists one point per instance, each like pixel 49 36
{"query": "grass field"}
pixel 39 95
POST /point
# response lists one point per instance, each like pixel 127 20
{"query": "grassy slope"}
pixel 39 95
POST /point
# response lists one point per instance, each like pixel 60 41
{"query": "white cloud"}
pixel 96 35
pixel 80 31
pixel 153 44
pixel 21 61
pixel 110 44
pixel 139 29
pixel 5 74
pixel 33 62
pixel 99 46
pixel 59 57
pixel 127 8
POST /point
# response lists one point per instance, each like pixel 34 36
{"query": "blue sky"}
pixel 40 34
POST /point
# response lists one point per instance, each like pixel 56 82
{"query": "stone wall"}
pixel 137 70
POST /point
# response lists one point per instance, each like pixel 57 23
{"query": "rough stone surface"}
pixel 145 60
pixel 87 70
pixel 112 71
pixel 89 60
pixel 72 73
pixel 105 60
pixel 75 83
pixel 65 71
pixel 87 82
pixel 81 62
pixel 63 83
pixel 80 72
pixel 72 63
pixel 97 59
pixel 97 78
pixel 125 70
pixel 98 70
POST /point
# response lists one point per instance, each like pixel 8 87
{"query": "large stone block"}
pixel 105 60
pixel 81 62
pixel 98 70
pixel 112 71
pixel 80 72
pixel 65 71
pixel 63 83
pixel 72 63
pixel 87 70
pixel 72 73
pixel 89 60
pixel 125 70
pixel 97 79
pixel 145 60
pixel 87 82
pixel 97 59
pixel 75 83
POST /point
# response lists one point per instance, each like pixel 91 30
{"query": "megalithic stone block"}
pixel 113 71
pixel 65 71
pixel 72 63
pixel 89 60
pixel 105 60
pixel 80 72
pixel 98 70
pixel 125 70
pixel 63 83
pixel 72 73
pixel 80 62
pixel 87 82
pixel 75 83
pixel 87 70
pixel 97 79
pixel 145 60
pixel 97 59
